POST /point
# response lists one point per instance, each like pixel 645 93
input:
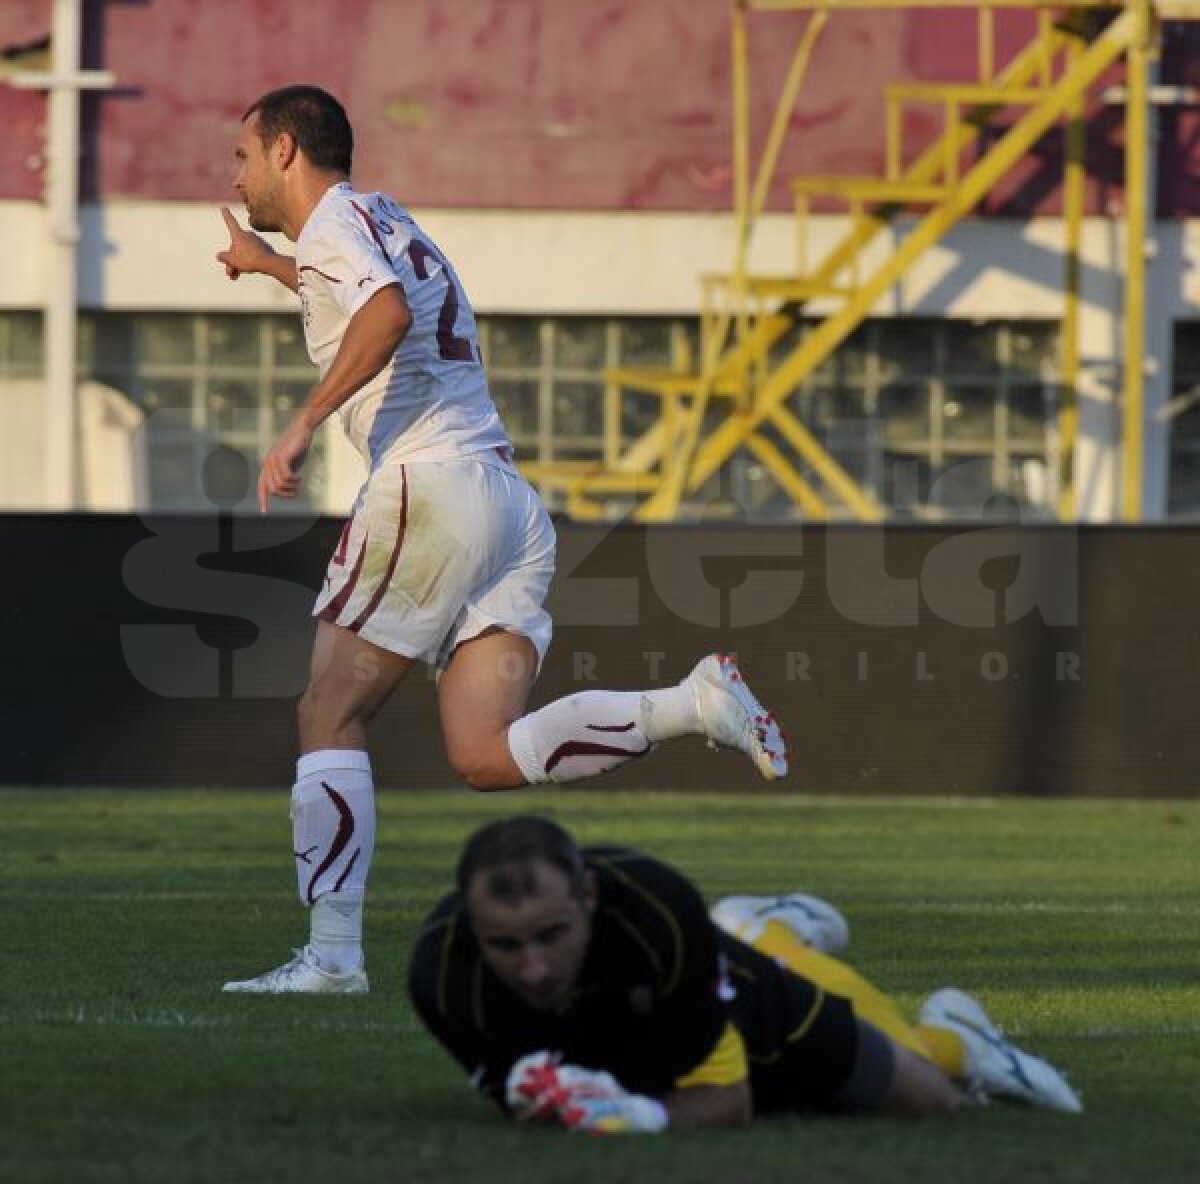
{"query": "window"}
pixel 216 388
pixel 1183 485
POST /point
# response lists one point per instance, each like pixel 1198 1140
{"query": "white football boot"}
pixel 302 976
pixel 814 921
pixel 733 718
pixel 996 1068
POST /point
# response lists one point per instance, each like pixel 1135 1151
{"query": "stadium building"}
pixel 587 164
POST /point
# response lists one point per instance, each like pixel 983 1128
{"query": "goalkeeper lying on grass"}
pixel 590 988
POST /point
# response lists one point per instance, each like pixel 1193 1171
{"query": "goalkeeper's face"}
pixel 536 943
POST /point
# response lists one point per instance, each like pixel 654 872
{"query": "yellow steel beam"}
pixel 873 188
pixel 1019 139
pixel 991 93
pixel 1137 128
pixel 1074 194
pixel 789 480
pixel 809 447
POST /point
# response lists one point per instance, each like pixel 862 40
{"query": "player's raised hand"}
pixel 280 475
pixel 247 251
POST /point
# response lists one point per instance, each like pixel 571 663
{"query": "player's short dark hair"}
pixel 506 850
pixel 313 118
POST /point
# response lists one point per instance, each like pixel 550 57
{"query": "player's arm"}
pixel 248 254
pixel 717 1091
pixel 371 338
pixel 710 1106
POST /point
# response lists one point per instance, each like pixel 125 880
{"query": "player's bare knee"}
pixel 482 768
pixel 920 1089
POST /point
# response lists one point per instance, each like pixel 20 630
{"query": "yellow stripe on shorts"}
pixel 725 1065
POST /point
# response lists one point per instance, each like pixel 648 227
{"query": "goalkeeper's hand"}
pixel 540 1089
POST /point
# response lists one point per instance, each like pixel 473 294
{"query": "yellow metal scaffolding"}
pixel 751 360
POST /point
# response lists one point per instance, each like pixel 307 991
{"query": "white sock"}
pixel 594 731
pixel 333 836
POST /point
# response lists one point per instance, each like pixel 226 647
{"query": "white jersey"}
pixel 431 401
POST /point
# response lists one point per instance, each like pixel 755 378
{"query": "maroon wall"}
pixel 587 104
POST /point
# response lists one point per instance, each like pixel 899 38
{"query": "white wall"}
pixel 143 255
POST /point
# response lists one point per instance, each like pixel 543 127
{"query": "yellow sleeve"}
pixel 725 1065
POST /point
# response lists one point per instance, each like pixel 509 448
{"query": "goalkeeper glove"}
pixel 539 1088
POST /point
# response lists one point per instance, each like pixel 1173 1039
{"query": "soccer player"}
pixel 592 989
pixel 448 554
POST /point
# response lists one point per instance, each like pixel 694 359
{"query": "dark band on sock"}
pixel 874 1069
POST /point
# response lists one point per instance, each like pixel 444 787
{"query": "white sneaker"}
pixel 733 718
pixel 997 1068
pixel 302 976
pixel 815 922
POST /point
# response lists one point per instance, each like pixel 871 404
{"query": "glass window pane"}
pixel 158 393
pixel 849 361
pixel 971 348
pixel 1184 485
pixel 639 413
pixel 164 339
pixel 226 397
pixel 965 486
pixel 578 410
pixel 837 407
pixel 1185 425
pixel 1027 413
pixel 287 342
pixel 172 476
pixel 906 347
pixel 234 340
pixel 1033 348
pixel 228 472
pixel 112 342
pixel 906 481
pixel 969 413
pixel 579 343
pixel 285 398
pixel 514 343
pixel 24 341
pixel 646 342
pixel 904 409
pixel 517 402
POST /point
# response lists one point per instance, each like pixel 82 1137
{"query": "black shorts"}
pixel 813 1071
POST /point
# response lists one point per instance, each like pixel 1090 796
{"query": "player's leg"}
pixel 593 731
pixel 482 690
pixel 779 940
pixel 890 1079
pixel 333 812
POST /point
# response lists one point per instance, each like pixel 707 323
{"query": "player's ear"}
pixel 285 149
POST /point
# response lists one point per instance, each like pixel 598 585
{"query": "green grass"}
pixel 120 1060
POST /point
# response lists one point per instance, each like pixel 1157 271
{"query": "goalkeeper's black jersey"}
pixel 658 986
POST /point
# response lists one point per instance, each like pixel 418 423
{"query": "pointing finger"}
pixel 231 223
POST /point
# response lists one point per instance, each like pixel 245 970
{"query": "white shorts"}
pixel 437 552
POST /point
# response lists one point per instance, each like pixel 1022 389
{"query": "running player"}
pixel 591 988
pixel 448 554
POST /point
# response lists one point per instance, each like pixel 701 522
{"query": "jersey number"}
pixel 450 347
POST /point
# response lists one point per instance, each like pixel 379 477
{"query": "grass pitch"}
pixel 1077 923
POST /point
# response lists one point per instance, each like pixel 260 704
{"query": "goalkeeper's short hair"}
pixel 505 851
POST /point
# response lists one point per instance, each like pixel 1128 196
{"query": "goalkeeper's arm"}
pixel 710 1106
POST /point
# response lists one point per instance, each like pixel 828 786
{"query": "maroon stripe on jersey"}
pixel 612 727
pixel 372 227
pixel 378 594
pixel 341 840
pixel 333 609
pixel 331 278
pixel 587 748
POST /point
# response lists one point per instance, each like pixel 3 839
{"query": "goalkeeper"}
pixel 590 988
